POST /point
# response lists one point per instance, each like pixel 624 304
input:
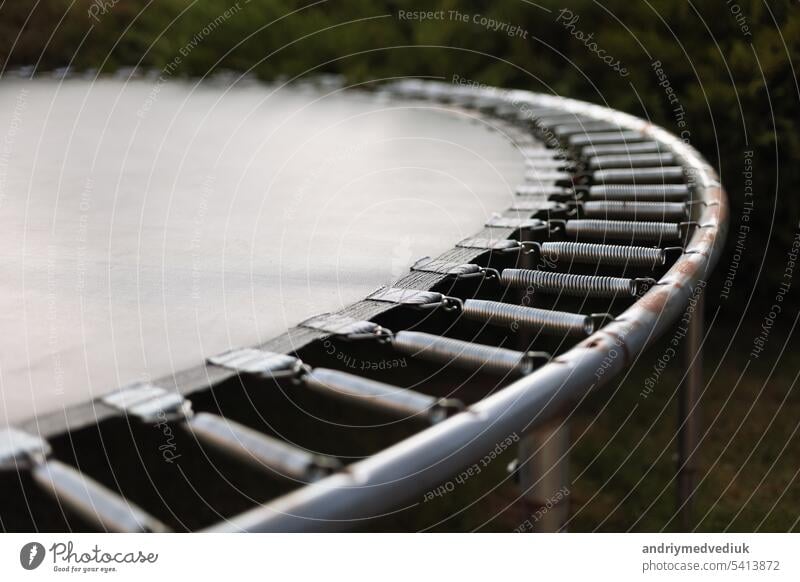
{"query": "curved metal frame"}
pixel 373 486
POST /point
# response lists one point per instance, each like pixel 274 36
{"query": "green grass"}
pixel 748 462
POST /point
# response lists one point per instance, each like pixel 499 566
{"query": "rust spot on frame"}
pixel 687 267
pixel 708 236
pixel 655 300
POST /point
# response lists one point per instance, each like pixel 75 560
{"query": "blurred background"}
pixel 719 74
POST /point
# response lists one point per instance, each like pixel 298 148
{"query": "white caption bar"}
pixel 400 557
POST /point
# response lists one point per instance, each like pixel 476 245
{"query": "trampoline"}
pixel 526 249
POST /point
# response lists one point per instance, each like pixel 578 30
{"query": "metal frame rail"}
pixel 603 188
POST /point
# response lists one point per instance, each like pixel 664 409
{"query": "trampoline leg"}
pixel 543 458
pixel 689 415
pixel 544 475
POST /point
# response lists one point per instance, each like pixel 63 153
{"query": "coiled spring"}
pixel 608 162
pixel 606 255
pixel 104 509
pixel 567 129
pixel 463 354
pixel 259 450
pixel 666 211
pixel 364 392
pixel 569 283
pixel 600 138
pixel 635 231
pixel 657 175
pixel 646 192
pixel 643 147
pixel 532 318
pixel 557 118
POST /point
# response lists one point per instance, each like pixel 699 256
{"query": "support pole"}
pixel 689 414
pixel 544 459
pixel 544 475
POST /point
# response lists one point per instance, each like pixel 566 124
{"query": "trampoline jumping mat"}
pixel 147 226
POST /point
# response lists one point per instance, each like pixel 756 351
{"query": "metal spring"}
pixel 103 508
pixel 607 255
pixel 553 119
pixel 462 354
pixel 567 129
pixel 665 211
pixel 399 402
pixel 517 316
pixel 658 175
pixel 569 283
pixel 585 139
pixel 624 229
pixel 259 450
pixel 646 192
pixel 644 147
pixel 607 162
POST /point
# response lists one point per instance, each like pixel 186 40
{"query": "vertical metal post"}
pixel 689 414
pixel 543 458
pixel 544 475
